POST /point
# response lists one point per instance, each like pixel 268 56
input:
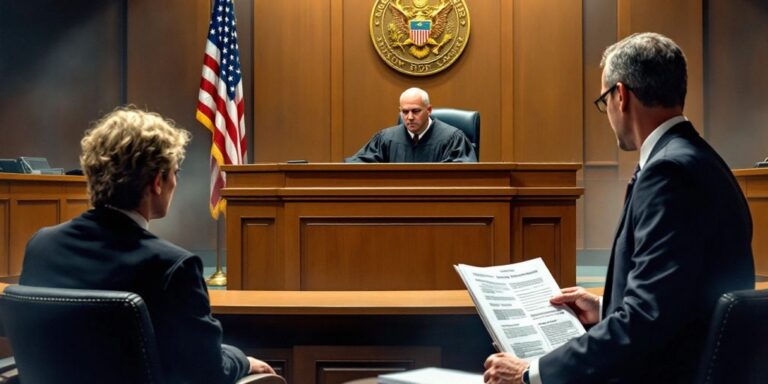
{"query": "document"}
pixel 513 302
pixel 431 376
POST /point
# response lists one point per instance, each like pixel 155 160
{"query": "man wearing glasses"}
pixel 684 237
pixel 420 139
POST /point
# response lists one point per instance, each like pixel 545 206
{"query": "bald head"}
pixel 415 110
pixel 414 92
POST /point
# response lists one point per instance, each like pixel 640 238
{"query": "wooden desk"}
pixel 361 227
pixel 30 202
pixel 335 337
pixel 754 184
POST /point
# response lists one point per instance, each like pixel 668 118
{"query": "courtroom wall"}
pixel 315 88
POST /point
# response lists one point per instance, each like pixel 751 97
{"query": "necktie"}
pixel 631 183
pixel 415 139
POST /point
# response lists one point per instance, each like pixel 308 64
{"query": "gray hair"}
pixel 651 65
pixel 424 95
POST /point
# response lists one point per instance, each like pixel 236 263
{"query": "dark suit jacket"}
pixel 105 249
pixel 684 238
pixel 442 143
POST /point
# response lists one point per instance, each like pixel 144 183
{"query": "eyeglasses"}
pixel 601 103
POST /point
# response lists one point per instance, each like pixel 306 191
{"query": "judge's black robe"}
pixel 442 143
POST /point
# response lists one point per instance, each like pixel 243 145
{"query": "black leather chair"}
pixel 84 336
pixel 736 350
pixel 467 121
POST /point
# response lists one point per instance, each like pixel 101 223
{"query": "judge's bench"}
pixel 343 271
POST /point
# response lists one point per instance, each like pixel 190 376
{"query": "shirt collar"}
pixel 653 138
pixel 135 216
pixel 425 131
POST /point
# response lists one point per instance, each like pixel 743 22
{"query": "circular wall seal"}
pixel 419 37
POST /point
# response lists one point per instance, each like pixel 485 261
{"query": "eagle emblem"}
pixel 422 23
pixel 419 36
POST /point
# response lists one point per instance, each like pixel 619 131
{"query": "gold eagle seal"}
pixel 419 37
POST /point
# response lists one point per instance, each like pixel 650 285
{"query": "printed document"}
pixel 513 302
pixel 431 376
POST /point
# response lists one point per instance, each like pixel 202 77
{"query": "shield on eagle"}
pixel 420 31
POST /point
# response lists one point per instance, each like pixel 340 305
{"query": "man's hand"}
pixel 503 368
pixel 584 304
pixel 258 366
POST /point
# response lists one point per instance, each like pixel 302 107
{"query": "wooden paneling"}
pixel 682 21
pixel 754 184
pixel 371 88
pixel 393 226
pixel 292 110
pixel 73 208
pixel 339 364
pixel 256 229
pixel 30 202
pixel 5 235
pixel 352 247
pixel 280 359
pixel 543 231
pixel 548 80
pixel 260 236
pixel 321 90
pixel 28 217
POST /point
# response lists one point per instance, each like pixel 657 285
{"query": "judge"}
pixel 420 139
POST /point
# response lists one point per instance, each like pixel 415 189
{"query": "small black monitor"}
pixel 10 166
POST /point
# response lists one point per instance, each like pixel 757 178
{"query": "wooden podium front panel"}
pixel 340 364
pixel 5 237
pixel 754 184
pixel 28 217
pixel 394 226
pixel 396 245
pixel 543 230
pixel 30 202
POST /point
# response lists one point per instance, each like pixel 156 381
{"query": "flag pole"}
pixel 218 278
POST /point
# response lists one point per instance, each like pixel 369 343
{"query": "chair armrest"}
pixel 262 378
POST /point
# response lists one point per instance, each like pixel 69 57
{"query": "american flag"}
pixel 220 101
pixel 420 31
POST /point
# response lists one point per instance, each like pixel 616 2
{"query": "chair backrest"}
pixel 736 349
pixel 79 336
pixel 467 121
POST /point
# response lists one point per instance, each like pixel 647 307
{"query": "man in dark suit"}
pixel 684 237
pixel 420 139
pixel 130 159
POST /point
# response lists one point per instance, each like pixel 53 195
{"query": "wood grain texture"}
pixel 394 226
pixel 754 184
pixel 31 202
